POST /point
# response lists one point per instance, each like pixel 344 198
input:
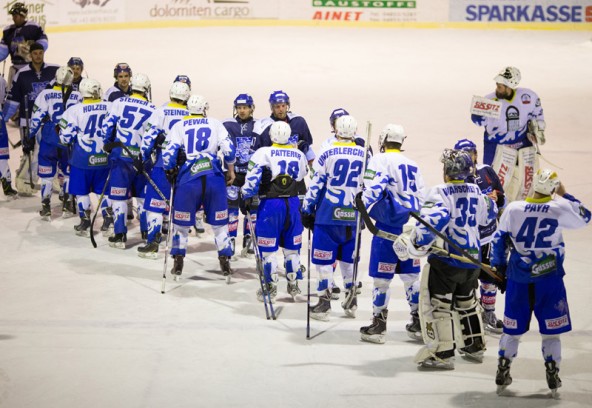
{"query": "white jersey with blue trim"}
pixel 336 180
pixel 534 228
pixel 162 121
pixel 50 104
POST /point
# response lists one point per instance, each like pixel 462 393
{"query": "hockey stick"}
pixel 308 290
pixel 269 311
pixel 92 223
pixel 352 293
pixel 26 134
pixel 166 242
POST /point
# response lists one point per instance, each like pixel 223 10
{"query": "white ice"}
pixel 88 327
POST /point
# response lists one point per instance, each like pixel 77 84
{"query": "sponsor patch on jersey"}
pixel 266 242
pixel 298 240
pixel 416 262
pixel 525 99
pixel 487 300
pixel 344 214
pixel 3 151
pixel 135 151
pixel 386 267
pixel 45 169
pixel 232 226
pixel 557 323
pixel 221 215
pixel 201 165
pixel 98 160
pixel 118 191
pixel 154 203
pixel 322 255
pixel 510 323
pixel 369 174
pixel 182 215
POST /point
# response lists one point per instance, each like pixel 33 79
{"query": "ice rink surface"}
pixel 84 327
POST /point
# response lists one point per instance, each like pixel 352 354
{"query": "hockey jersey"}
pixel 300 137
pixel 47 113
pixel 162 121
pixel 488 181
pixel 534 228
pixel 80 126
pixel 241 134
pixel 13 39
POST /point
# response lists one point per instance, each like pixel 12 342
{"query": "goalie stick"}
pixel 436 250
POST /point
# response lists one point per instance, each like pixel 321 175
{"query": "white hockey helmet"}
pixel 392 133
pixel 197 105
pixel 64 76
pixel 180 91
pixel 509 76
pixel 140 83
pixel 90 88
pixel 346 127
pixel 280 132
pixel 546 182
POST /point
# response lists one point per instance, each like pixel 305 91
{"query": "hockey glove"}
pixel 109 146
pixel 138 164
pixel 171 174
pixel 181 157
pixel 28 145
pixel 159 140
pixel 405 248
pixel 248 204
pixel 303 146
pixel 358 199
pixel 308 221
pixel 501 272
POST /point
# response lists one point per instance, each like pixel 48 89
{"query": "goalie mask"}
pixel 64 76
pixel 458 164
pixel 280 133
pixel 509 76
pixel 197 105
pixel 90 88
pixel 179 91
pixel 346 127
pixel 546 182
pixel 392 133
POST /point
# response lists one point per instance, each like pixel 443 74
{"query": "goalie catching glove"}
pixel 405 248
pixel 536 131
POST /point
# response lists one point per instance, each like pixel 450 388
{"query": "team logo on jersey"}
pixel 525 99
pixel 344 214
pixel 45 170
pixel 118 191
pixel 201 165
pixel 298 240
pixel 221 215
pixel 182 215
pixel 266 242
pixel 512 118
pixel 154 203
pixel 322 255
pixel 386 267
pixel 97 159
pixel 510 323
pixel 557 323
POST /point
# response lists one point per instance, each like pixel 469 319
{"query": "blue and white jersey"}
pixel 241 134
pixel 201 138
pixel 534 228
pixel 488 181
pixel 280 160
pixel 332 190
pixel 300 137
pixel 80 126
pixel 14 38
pixel 161 121
pixel 115 92
pixel 394 187
pixel 48 110
pixel 126 123
pixel 456 209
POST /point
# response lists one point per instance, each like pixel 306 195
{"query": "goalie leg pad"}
pixel 471 339
pixel 528 164
pixel 504 164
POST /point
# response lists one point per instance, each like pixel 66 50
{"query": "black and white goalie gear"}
pixel 471 341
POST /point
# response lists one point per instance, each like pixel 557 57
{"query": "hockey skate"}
pixel 248 251
pixel 69 206
pixel 414 328
pixel 45 212
pixel 350 304
pixel 293 289
pixel 502 377
pixel 82 228
pixel 322 310
pixel 118 240
pixel 270 288
pixel 335 292
pixel 437 362
pixel 553 380
pixel 225 267
pixel 376 332
pixel 107 227
pixel 177 267
pixel 9 192
pixel 148 251
pixel 473 352
pixel 491 323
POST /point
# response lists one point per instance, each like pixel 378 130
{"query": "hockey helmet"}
pixel 19 8
pixel 183 78
pixel 458 164
pixel 279 97
pixel 121 67
pixel 244 99
pixel 180 91
pixel 346 127
pixel 90 88
pixel 197 105
pixel 509 76
pixel 64 76
pixel 140 83
pixel 75 61
pixel 280 132
pixel 392 133
pixel 466 145
pixel 336 114
pixel 546 182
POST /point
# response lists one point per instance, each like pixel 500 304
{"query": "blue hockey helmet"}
pixel 75 61
pixel 121 67
pixel 244 99
pixel 466 145
pixel 458 164
pixel 336 114
pixel 279 97
pixel 183 78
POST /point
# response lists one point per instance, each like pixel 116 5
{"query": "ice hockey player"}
pixel 153 143
pixel 328 211
pixel 49 106
pixel 127 179
pixel 531 231
pixel 5 175
pixel 508 140
pixel 486 178
pixel 77 66
pixel 278 215
pixel 394 187
pixel 89 163
pixel 240 129
pixel 122 86
pixel 335 114
pixel 447 293
pixel 193 148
